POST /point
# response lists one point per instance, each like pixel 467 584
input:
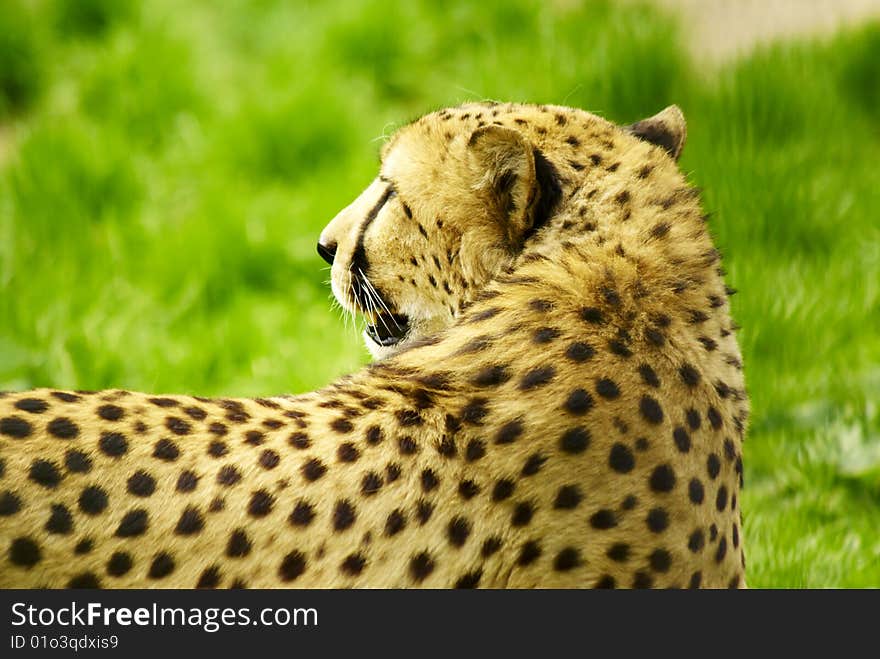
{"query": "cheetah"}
pixel 557 397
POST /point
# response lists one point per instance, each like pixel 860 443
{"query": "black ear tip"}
pixel 666 129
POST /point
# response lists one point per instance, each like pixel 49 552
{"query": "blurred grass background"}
pixel 166 167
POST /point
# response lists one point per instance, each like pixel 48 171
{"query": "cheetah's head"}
pixel 459 193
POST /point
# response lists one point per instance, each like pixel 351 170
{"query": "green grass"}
pixel 165 171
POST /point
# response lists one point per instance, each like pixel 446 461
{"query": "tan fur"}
pixel 529 432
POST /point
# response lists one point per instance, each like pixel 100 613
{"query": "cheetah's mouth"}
pixel 387 329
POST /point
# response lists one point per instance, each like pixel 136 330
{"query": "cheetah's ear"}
pixel 504 165
pixel 667 129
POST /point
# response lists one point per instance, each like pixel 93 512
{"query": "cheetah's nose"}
pixel 327 252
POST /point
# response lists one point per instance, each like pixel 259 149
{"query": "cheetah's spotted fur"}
pixel 567 409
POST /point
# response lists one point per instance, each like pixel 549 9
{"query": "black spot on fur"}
pixel 545 335
pixel 344 515
pixel 655 336
pixel 134 523
pixel 392 472
pixel 575 440
pixel 475 450
pixel 568 497
pixel 429 480
pixel 689 375
pixel 373 435
pixel 603 519
pixel 607 389
pixel 657 520
pixel 529 553
pixel 537 377
pixel 10 503
pixel 303 514
pixel 592 315
pixel 166 450
pixel 347 452
pixel 218 429
pixel 195 413
pixel 469 580
pixel 119 564
pixel 458 531
pixel 503 489
pixel 210 578
pixel 77 462
pixel 113 444
pixel 660 560
pixel 407 445
pixel 491 376
pixel 293 565
pixel 651 410
pixel 187 481
pixel 83 547
pixel 621 459
pixel 490 546
pixel 141 484
pixel 353 564
pixel 191 522
pixel 474 411
pixel 84 580
pixel 533 464
pixel 66 396
pixel 649 377
pixel 662 479
pixel 446 447
pixel 177 425
pixel 714 418
pixel 695 491
pixel 395 523
pixel 228 476
pixel 45 473
pixel 618 552
pixel 682 439
pixel 509 432
pixel 468 489
pixel 62 428
pixel 24 552
pixel 619 348
pixel 578 402
pixel 371 483
pixel 713 466
pixel 313 470
pixel 110 412
pixel 260 504
pixel 269 459
pixel 579 352
pixel 60 520
pixel 642 580
pixel 567 559
pixel 32 405
pixel 239 544
pixel 420 566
